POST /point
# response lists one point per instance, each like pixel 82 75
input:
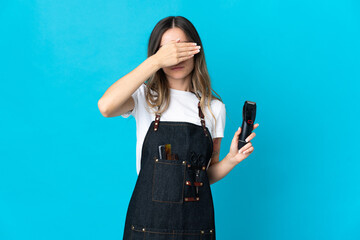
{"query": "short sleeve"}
pixel 135 96
pixel 220 122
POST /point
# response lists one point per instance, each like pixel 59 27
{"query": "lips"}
pixel 176 68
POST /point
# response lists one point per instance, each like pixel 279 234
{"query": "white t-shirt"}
pixel 183 107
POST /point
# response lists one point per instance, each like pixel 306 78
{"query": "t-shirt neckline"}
pixel 180 92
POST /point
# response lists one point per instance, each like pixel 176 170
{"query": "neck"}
pixel 181 84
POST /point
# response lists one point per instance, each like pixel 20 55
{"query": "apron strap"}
pixel 157 119
pixel 201 115
pixel 202 119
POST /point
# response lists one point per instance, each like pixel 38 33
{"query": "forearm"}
pixel 122 89
pixel 220 169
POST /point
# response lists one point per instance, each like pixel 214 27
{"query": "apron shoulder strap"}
pixel 201 115
pixel 202 119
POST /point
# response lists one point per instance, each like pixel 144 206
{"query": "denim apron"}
pixel 172 198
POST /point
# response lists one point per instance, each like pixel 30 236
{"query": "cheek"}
pixel 189 63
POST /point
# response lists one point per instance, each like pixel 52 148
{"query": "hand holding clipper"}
pixel 249 113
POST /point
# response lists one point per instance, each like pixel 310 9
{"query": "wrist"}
pixel 154 61
pixel 230 158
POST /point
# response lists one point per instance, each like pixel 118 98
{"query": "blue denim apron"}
pixel 172 198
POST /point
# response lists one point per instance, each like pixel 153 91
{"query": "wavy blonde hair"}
pixel 200 79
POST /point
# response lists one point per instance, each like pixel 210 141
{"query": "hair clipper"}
pixel 249 113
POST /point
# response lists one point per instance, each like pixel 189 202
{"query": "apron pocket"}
pixel 168 180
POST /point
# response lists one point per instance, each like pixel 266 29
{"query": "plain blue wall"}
pixel 68 173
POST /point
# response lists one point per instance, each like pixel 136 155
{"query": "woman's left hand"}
pixel 237 155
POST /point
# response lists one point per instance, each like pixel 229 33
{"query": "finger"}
pixel 188 48
pixel 186 44
pixel 250 150
pixel 242 150
pixel 255 126
pixel 188 53
pixel 236 136
pixel 251 136
pixel 181 44
pixel 245 147
pixel 171 41
pixel 185 58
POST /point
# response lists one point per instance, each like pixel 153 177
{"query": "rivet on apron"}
pixel 202 232
pixel 184 162
pixel 156 160
pixel 132 227
pixel 211 230
pixel 203 168
pixel 188 199
pixel 143 229
pixel 198 184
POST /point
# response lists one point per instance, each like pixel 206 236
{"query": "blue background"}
pixel 66 172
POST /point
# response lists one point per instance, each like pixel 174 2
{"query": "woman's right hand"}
pixel 174 52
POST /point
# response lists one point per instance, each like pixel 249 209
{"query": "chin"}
pixel 178 75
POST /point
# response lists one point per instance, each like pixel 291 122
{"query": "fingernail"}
pixel 238 128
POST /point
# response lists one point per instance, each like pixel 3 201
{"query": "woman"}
pixel 172 196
